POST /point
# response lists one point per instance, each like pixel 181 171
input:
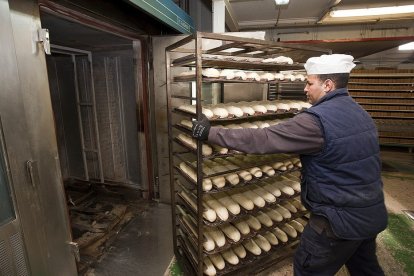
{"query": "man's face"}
pixel 314 89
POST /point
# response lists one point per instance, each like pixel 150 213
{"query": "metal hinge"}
pixel 74 247
pixel 41 36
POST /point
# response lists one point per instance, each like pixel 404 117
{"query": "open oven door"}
pixel 35 237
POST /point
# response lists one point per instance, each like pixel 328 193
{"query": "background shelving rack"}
pixel 388 95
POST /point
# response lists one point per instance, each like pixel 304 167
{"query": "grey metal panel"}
pixel 160 112
pixel 87 116
pixel 62 90
pixel 32 112
pixel 6 265
pixel 19 255
pixel 18 149
pixel 116 109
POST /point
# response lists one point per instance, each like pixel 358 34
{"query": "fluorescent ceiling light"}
pixel 373 11
pixel 281 2
pixel 406 47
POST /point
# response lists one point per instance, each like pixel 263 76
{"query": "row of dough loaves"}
pixel 222 165
pixel 220 206
pixel 229 74
pixel 244 109
pixel 259 244
pixel 217 237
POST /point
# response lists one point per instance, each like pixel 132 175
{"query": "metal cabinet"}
pixel 40 221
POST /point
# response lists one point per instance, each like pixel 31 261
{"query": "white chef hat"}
pixel 329 64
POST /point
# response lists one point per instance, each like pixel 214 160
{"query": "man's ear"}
pixel 330 85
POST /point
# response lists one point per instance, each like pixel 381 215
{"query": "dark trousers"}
pixel 324 254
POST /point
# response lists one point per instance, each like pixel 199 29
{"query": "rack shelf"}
pixel 228 52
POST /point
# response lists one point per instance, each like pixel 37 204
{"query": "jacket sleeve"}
pixel 301 134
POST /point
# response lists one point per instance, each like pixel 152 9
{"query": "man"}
pixel 341 177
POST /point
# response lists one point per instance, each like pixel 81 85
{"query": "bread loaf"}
pixel 280 234
pixel 257 200
pixel 298 227
pixel 230 256
pixel 289 230
pixel 230 231
pixel 242 226
pixel 240 251
pixel 283 211
pixel 232 206
pixel 206 184
pixel 264 219
pixel 262 242
pixel 217 236
pixel 271 238
pixel 252 247
pixel 242 200
pixel 274 215
pixel 217 261
pixel 211 73
pixel 268 197
pixel 220 210
pixel 292 209
pixel 209 269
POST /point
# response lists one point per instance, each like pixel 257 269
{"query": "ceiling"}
pixel 304 18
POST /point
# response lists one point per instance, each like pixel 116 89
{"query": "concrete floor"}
pixel 144 247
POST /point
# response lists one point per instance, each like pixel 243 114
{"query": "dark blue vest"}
pixel 343 181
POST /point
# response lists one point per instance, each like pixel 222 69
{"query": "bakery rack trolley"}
pixel 225 52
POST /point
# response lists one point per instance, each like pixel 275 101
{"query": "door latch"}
pixel 74 247
pixel 41 36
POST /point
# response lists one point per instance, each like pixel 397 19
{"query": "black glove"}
pixel 201 128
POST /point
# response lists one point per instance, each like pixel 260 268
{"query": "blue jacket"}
pixel 343 181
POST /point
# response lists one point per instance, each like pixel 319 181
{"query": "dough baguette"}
pixel 252 247
pixel 298 205
pixel 272 189
pixel 230 256
pixel 230 231
pixel 289 206
pixel 232 206
pixel 298 227
pixel 187 140
pixel 289 230
pixel 217 261
pixel 267 196
pixel 220 210
pixel 240 251
pixel 262 242
pixel 280 166
pixel 242 200
pixel 274 215
pixel 209 269
pixel 253 222
pixel 208 242
pixel 257 200
pixel 242 226
pixel 283 211
pixel 206 184
pixel 281 236
pixel 264 219
pixel 271 238
pixel 217 236
pixel 208 213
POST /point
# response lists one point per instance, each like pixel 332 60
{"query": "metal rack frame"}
pixel 198 58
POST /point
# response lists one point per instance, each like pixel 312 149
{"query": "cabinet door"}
pixel 40 212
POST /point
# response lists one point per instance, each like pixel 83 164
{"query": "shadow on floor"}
pixel 143 247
